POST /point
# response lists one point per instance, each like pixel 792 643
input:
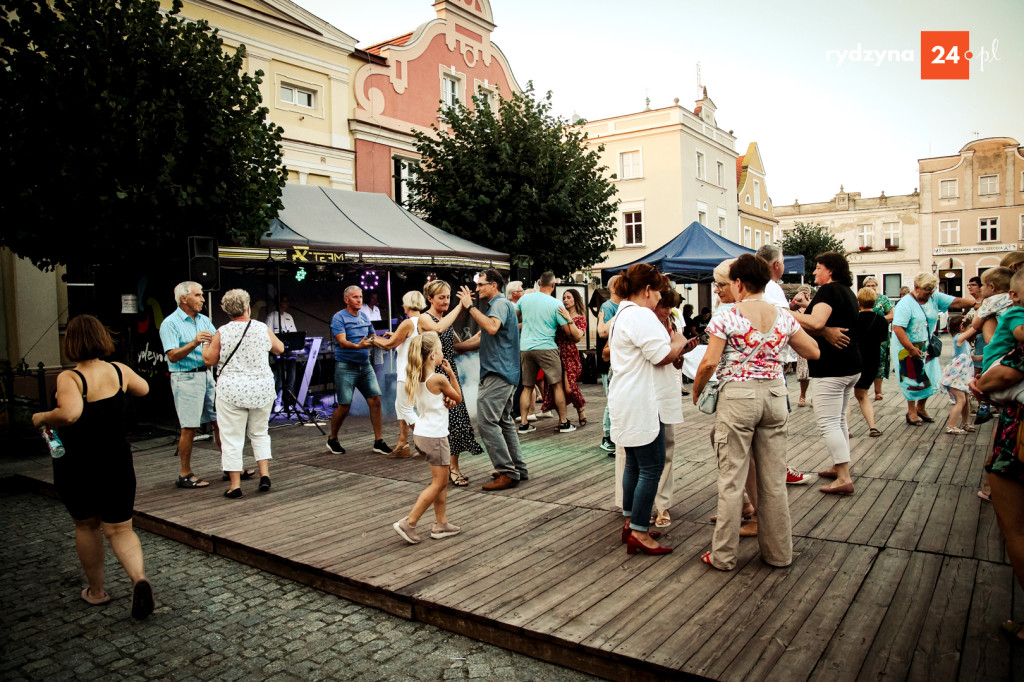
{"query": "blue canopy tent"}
pixel 693 254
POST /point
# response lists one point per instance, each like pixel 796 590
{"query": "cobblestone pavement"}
pixel 216 619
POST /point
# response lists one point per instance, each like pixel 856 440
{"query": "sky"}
pixel 784 74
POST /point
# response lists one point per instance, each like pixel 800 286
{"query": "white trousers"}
pixel 831 398
pixel 237 422
pixel 403 409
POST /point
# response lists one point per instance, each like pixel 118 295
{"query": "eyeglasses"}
pixel 719 286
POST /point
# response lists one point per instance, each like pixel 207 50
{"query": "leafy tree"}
pixel 124 130
pixel 518 180
pixel 809 241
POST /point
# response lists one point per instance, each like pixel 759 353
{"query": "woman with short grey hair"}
pixel 245 389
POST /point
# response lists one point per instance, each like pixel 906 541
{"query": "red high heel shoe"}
pixel 633 546
pixel 627 532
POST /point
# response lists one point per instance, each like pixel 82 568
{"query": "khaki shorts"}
pixel 435 450
pixel 547 360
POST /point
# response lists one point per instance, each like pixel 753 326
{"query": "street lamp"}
pixel 935 268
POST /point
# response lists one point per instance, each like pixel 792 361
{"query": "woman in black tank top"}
pixel 95 478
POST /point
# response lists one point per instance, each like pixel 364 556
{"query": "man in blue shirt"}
pixel 353 337
pixel 542 315
pixel 498 342
pixel 183 334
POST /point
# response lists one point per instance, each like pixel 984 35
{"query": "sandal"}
pixel 706 558
pixel 95 601
pixel 874 433
pixel 968 428
pixel 457 479
pixel 955 431
pixel 664 520
pixel 246 475
pixel 878 396
pixel 801 403
pixel 583 421
pixel 985 496
pixel 191 481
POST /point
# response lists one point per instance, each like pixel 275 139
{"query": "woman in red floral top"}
pixel 570 354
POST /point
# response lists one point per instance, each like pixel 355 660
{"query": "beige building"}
pixel 882 235
pixel 972 209
pixel 756 216
pixel 672 167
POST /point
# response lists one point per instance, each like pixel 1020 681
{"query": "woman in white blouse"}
pixel 643 397
pixel 752 412
pixel 245 388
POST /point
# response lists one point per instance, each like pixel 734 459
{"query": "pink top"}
pixel 741 337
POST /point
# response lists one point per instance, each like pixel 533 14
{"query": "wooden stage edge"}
pixel 593 661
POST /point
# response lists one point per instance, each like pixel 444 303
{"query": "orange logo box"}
pixel 945 55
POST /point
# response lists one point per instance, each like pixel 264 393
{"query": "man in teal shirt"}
pixel 542 316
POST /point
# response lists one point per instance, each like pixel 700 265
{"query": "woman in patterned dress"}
pixel 883 307
pixel 460 430
pixel 570 355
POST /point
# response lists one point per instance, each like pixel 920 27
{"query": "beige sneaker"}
pixel 446 531
pixel 400 452
pixel 408 532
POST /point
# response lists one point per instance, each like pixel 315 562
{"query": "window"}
pixel 746 237
pixel 891 285
pixel 864 234
pixel 405 169
pixel 633 228
pixel 297 96
pixel 757 239
pixel 757 193
pixel 721 174
pixel 988 184
pixel 767 237
pixel 891 231
pixel 631 165
pixel 1020 230
pixel 486 97
pixel 702 218
pixel 988 230
pixel 949 231
pixel 721 225
pixel 700 166
pixel 449 91
pixel 948 189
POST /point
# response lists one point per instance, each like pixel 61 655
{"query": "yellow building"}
pixel 882 235
pixel 972 208
pixel 672 167
pixel 306 86
pixel 756 217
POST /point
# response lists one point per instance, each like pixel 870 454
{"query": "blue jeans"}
pixel 348 376
pixel 605 380
pixel 644 465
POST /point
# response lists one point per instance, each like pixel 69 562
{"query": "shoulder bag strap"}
pixel 236 347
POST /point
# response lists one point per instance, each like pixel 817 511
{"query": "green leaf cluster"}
pixel 124 129
pixel 810 241
pixel 519 180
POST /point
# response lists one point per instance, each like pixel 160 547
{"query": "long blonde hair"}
pixel 421 347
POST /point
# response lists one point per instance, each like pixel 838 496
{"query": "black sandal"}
pixel 191 481
pixel 457 480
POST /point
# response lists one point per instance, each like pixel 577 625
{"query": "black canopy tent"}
pixel 693 254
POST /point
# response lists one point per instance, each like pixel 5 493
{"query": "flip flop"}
pixel 874 433
pixel 457 480
pixel 95 601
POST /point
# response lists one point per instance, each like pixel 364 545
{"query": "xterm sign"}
pixel 987 248
pixel 302 254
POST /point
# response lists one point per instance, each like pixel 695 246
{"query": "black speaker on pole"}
pixel 523 275
pixel 203 262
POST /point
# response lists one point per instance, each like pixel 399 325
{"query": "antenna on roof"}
pixel 700 88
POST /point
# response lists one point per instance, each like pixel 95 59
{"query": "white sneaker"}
pixel 531 417
pixel 545 415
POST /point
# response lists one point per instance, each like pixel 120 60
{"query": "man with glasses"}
pixel 498 342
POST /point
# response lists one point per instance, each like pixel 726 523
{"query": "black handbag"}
pixel 934 346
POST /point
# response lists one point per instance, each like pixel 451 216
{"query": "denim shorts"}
pixel 349 376
pixel 194 395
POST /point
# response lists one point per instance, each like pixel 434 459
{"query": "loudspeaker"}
pixel 203 262
pixel 523 275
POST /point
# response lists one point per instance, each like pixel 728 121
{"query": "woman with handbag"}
pixel 915 345
pixel 751 412
pixel 833 310
pixel 245 388
pixel 642 353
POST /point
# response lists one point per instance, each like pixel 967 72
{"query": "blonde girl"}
pixel 413 302
pixel 427 391
pixel 956 377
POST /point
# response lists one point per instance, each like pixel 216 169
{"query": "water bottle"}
pixel 53 442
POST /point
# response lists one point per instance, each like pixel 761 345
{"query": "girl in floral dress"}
pixel 956 378
pixel 570 355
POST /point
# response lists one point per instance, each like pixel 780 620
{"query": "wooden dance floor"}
pixel 907 579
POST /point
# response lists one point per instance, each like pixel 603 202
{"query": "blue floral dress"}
pixel 919 378
pixel 960 370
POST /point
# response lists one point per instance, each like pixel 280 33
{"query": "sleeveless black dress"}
pixel 96 476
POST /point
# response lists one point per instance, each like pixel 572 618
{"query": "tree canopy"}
pixel 519 180
pixel 124 130
pixel 810 241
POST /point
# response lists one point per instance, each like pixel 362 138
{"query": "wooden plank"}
pixel 937 529
pixel 986 655
pixel 937 654
pixel 964 528
pixel 911 523
pixel 849 647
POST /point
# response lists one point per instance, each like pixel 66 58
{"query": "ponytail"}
pixel 421 347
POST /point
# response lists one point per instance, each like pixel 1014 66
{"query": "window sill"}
pixel 632 246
